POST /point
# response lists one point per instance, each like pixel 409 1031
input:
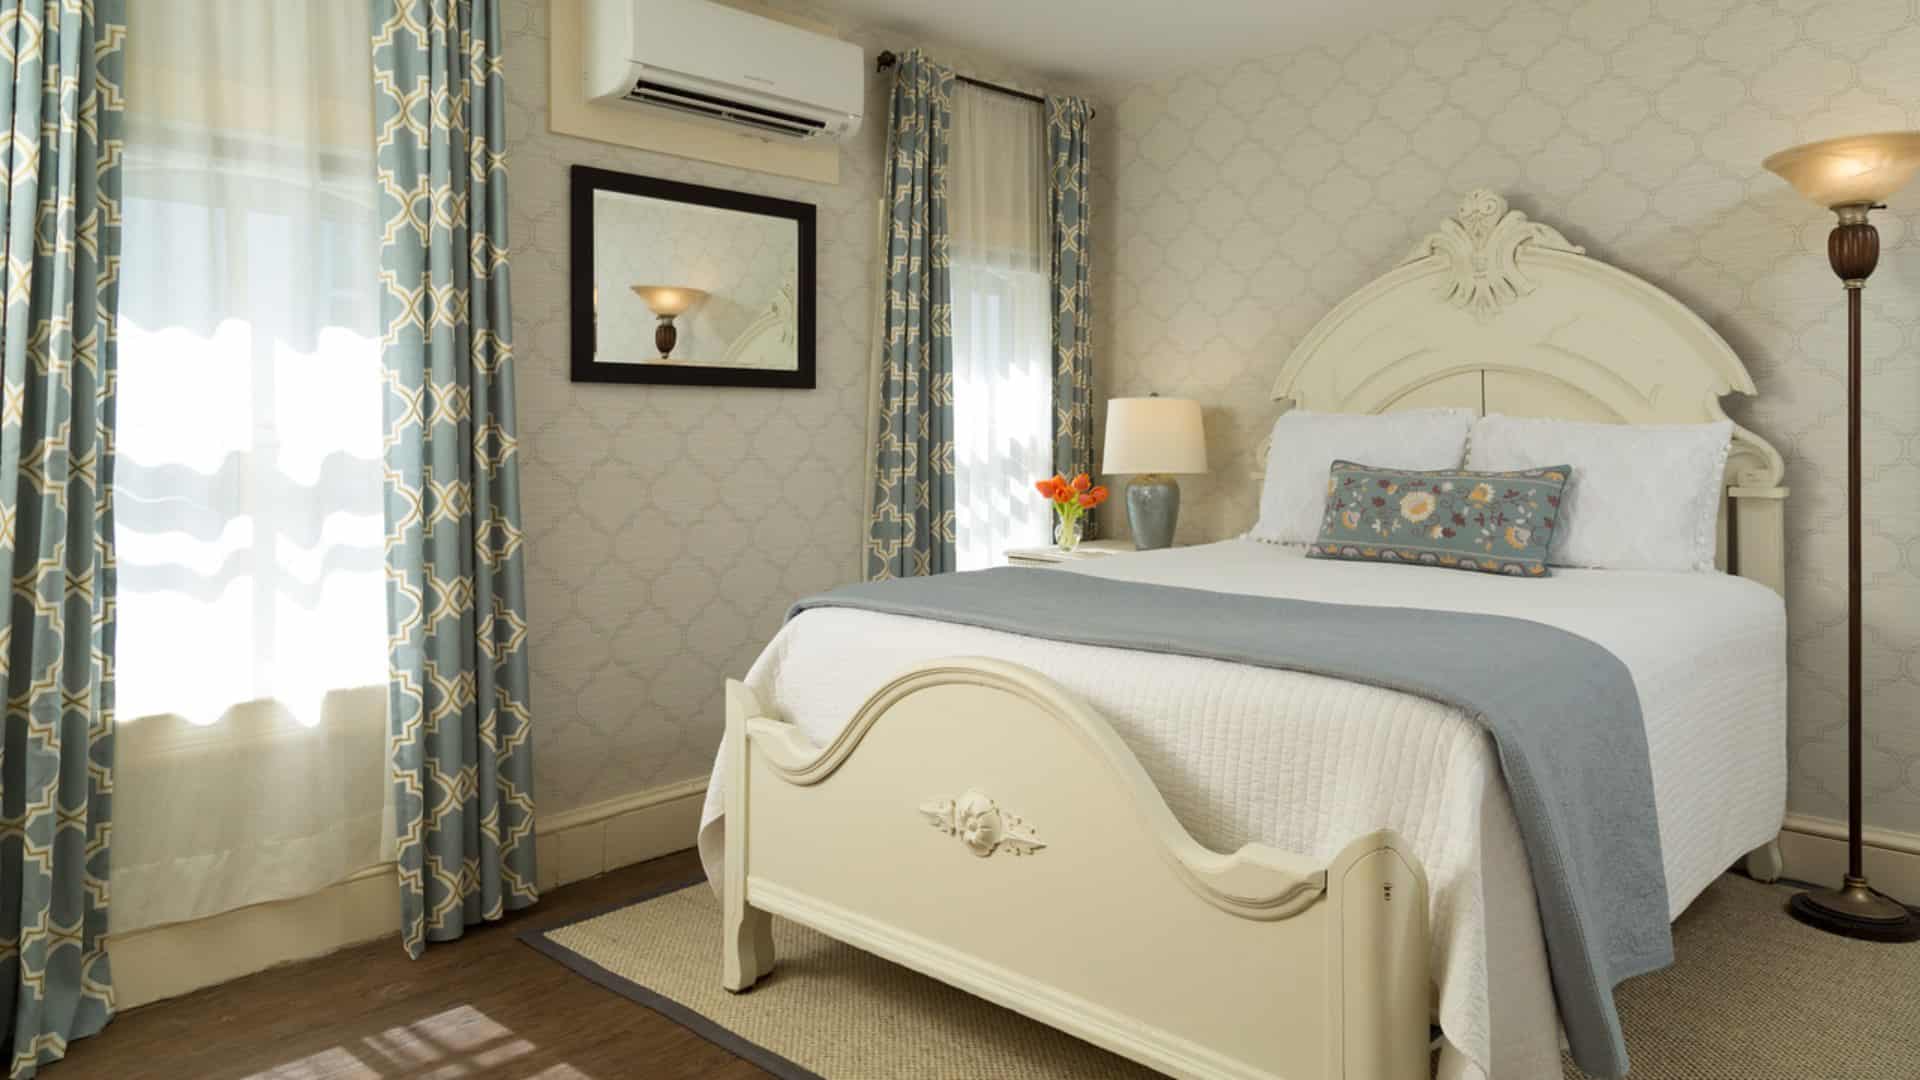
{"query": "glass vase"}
pixel 1066 533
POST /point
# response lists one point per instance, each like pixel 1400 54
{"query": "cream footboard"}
pixel 977 823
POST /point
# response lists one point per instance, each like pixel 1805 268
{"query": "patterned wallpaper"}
pixel 1237 204
pixel 669 528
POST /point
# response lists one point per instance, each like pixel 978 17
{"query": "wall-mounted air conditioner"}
pixel 726 65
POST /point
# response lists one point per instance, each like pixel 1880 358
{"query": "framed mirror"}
pixel 694 286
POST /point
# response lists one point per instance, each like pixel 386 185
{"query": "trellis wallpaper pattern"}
pixel 669 528
pixel 1243 201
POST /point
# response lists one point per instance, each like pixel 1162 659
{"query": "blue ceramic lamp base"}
pixel 1153 509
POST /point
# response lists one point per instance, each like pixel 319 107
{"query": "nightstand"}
pixel 1051 556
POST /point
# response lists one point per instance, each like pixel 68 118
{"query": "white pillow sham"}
pixel 1642 497
pixel 1293 498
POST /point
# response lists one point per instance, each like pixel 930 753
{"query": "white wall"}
pixel 1235 205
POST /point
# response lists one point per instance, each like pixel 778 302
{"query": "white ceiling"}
pixel 1105 41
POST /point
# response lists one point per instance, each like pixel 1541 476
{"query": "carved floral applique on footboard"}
pixel 981 825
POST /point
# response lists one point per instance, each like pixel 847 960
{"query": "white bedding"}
pixel 1305 762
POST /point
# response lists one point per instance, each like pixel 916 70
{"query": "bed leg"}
pixel 1764 862
pixel 746 932
pixel 748 947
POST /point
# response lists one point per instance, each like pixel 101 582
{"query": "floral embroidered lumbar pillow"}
pixel 1492 522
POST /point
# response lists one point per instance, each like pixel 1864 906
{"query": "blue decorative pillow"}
pixel 1492 522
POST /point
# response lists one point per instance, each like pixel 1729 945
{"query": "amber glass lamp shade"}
pixel 1850 171
pixel 669 300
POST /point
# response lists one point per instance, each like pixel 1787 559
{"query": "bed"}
pixel 1221 870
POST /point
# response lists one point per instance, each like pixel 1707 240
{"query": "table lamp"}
pixel 666 301
pixel 1148 438
pixel 1850 176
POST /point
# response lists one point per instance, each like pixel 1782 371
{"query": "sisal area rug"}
pixel 1754 996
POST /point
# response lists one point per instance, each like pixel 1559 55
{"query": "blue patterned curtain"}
pixel 1070 215
pixel 61 193
pixel 910 529
pixel 456 600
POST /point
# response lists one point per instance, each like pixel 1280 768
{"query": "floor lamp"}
pixel 1851 176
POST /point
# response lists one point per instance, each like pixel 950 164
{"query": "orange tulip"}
pixel 1046 488
pixel 1088 502
pixel 1082 482
pixel 1099 495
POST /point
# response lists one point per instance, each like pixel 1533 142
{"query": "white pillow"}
pixel 1306 444
pixel 1642 497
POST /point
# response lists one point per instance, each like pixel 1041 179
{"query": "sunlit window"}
pixel 247 486
pixel 251 652
pixel 1002 336
pixel 1002 411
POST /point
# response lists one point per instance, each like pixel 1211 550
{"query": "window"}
pixel 1002 337
pixel 252 628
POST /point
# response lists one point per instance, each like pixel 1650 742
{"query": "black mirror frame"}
pixel 585 180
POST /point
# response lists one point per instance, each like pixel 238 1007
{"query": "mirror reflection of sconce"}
pixel 667 301
pixel 718 320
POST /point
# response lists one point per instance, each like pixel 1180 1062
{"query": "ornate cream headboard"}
pixel 1500 314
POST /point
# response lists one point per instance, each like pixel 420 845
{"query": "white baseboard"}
pixel 167 961
pixel 578 844
pixel 1815 849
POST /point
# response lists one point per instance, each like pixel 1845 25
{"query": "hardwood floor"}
pixel 483 1006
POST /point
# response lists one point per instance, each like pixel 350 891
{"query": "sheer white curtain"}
pixel 1002 342
pixel 252 634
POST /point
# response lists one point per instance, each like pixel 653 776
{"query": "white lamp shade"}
pixel 1850 170
pixel 1154 435
pixel 669 299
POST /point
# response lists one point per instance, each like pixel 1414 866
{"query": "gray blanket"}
pixel 1563 712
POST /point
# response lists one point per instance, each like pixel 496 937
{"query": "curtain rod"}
pixel 887 60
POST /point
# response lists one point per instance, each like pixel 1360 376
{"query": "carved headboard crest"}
pixel 1481 243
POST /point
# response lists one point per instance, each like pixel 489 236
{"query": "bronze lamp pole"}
pixel 1851 176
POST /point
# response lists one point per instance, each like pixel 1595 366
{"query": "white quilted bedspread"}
pixel 1305 762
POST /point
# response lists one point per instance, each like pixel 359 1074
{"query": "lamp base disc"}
pixel 1854 910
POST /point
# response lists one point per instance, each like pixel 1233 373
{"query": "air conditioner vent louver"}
pixel 779 123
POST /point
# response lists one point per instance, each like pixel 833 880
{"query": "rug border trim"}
pixel 697 1022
